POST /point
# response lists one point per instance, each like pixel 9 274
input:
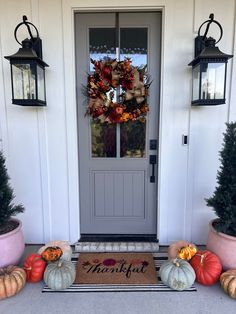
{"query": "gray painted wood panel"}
pixel 116 196
pixel 119 194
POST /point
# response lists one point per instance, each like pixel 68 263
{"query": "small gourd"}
pixel 228 282
pixel 60 275
pixel 187 252
pixel 177 274
pixel 12 280
pixel 51 254
pixel 63 245
pixel 182 249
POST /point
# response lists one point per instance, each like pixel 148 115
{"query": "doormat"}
pixel 116 268
pixel 158 257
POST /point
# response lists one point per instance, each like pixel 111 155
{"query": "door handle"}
pixel 152 161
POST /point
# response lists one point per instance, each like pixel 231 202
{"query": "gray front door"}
pixel 116 195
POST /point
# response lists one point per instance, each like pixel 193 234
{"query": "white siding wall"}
pixel 41 144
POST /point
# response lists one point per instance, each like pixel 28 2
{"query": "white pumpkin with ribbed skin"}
pixel 63 245
pixel 59 275
pixel 177 274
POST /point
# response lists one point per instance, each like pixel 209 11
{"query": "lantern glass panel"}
pixel 213 80
pixel 41 83
pixel 196 84
pixel 23 76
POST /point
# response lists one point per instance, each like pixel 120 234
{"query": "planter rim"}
pixel 232 238
pixel 5 235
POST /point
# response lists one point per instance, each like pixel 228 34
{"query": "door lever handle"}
pixel 152 161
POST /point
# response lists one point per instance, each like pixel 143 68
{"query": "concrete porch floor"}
pixel 32 301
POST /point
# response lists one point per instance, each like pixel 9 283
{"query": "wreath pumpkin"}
pixel 112 77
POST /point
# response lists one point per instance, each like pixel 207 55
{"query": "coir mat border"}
pixel 159 258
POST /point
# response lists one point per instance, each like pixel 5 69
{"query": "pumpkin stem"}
pixel 27 268
pixel 59 264
pixel 202 257
pixel 175 261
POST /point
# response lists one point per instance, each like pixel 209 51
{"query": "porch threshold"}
pixel 118 238
pixel 116 246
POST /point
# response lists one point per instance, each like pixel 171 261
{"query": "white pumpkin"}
pixel 177 274
pixel 60 275
pixel 63 245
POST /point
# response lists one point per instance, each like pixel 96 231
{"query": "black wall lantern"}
pixel 28 70
pixel 209 69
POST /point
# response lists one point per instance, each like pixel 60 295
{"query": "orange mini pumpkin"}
pixel 52 253
pixel 181 249
pixel 187 252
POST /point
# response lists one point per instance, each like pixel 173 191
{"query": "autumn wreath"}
pixel 117 78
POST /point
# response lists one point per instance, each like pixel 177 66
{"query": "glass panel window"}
pixel 133 44
pixel 125 139
pixel 23 81
pixel 103 139
pixel 213 76
pixel 132 139
pixel 101 44
pixel 41 84
pixel 196 78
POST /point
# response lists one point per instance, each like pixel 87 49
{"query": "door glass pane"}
pixel 103 139
pixel 132 139
pixel 101 44
pixel 133 44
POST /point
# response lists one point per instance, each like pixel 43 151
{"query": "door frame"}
pixel 69 8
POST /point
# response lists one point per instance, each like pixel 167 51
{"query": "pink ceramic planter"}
pixel 12 246
pixel 223 245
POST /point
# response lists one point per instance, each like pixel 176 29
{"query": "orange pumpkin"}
pixel 12 280
pixel 228 282
pixel 34 266
pixel 182 249
pixel 52 253
pixel 207 267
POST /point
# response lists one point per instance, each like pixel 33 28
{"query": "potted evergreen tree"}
pixel 222 231
pixel 11 235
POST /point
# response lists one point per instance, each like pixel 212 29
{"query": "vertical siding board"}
pixel 206 127
pixel 51 32
pixel 175 99
pixel 71 116
pixel 21 132
pixel 3 114
pixel 232 106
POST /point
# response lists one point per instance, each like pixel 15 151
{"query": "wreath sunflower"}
pixel 110 78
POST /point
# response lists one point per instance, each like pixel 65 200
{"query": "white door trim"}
pixel 69 8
